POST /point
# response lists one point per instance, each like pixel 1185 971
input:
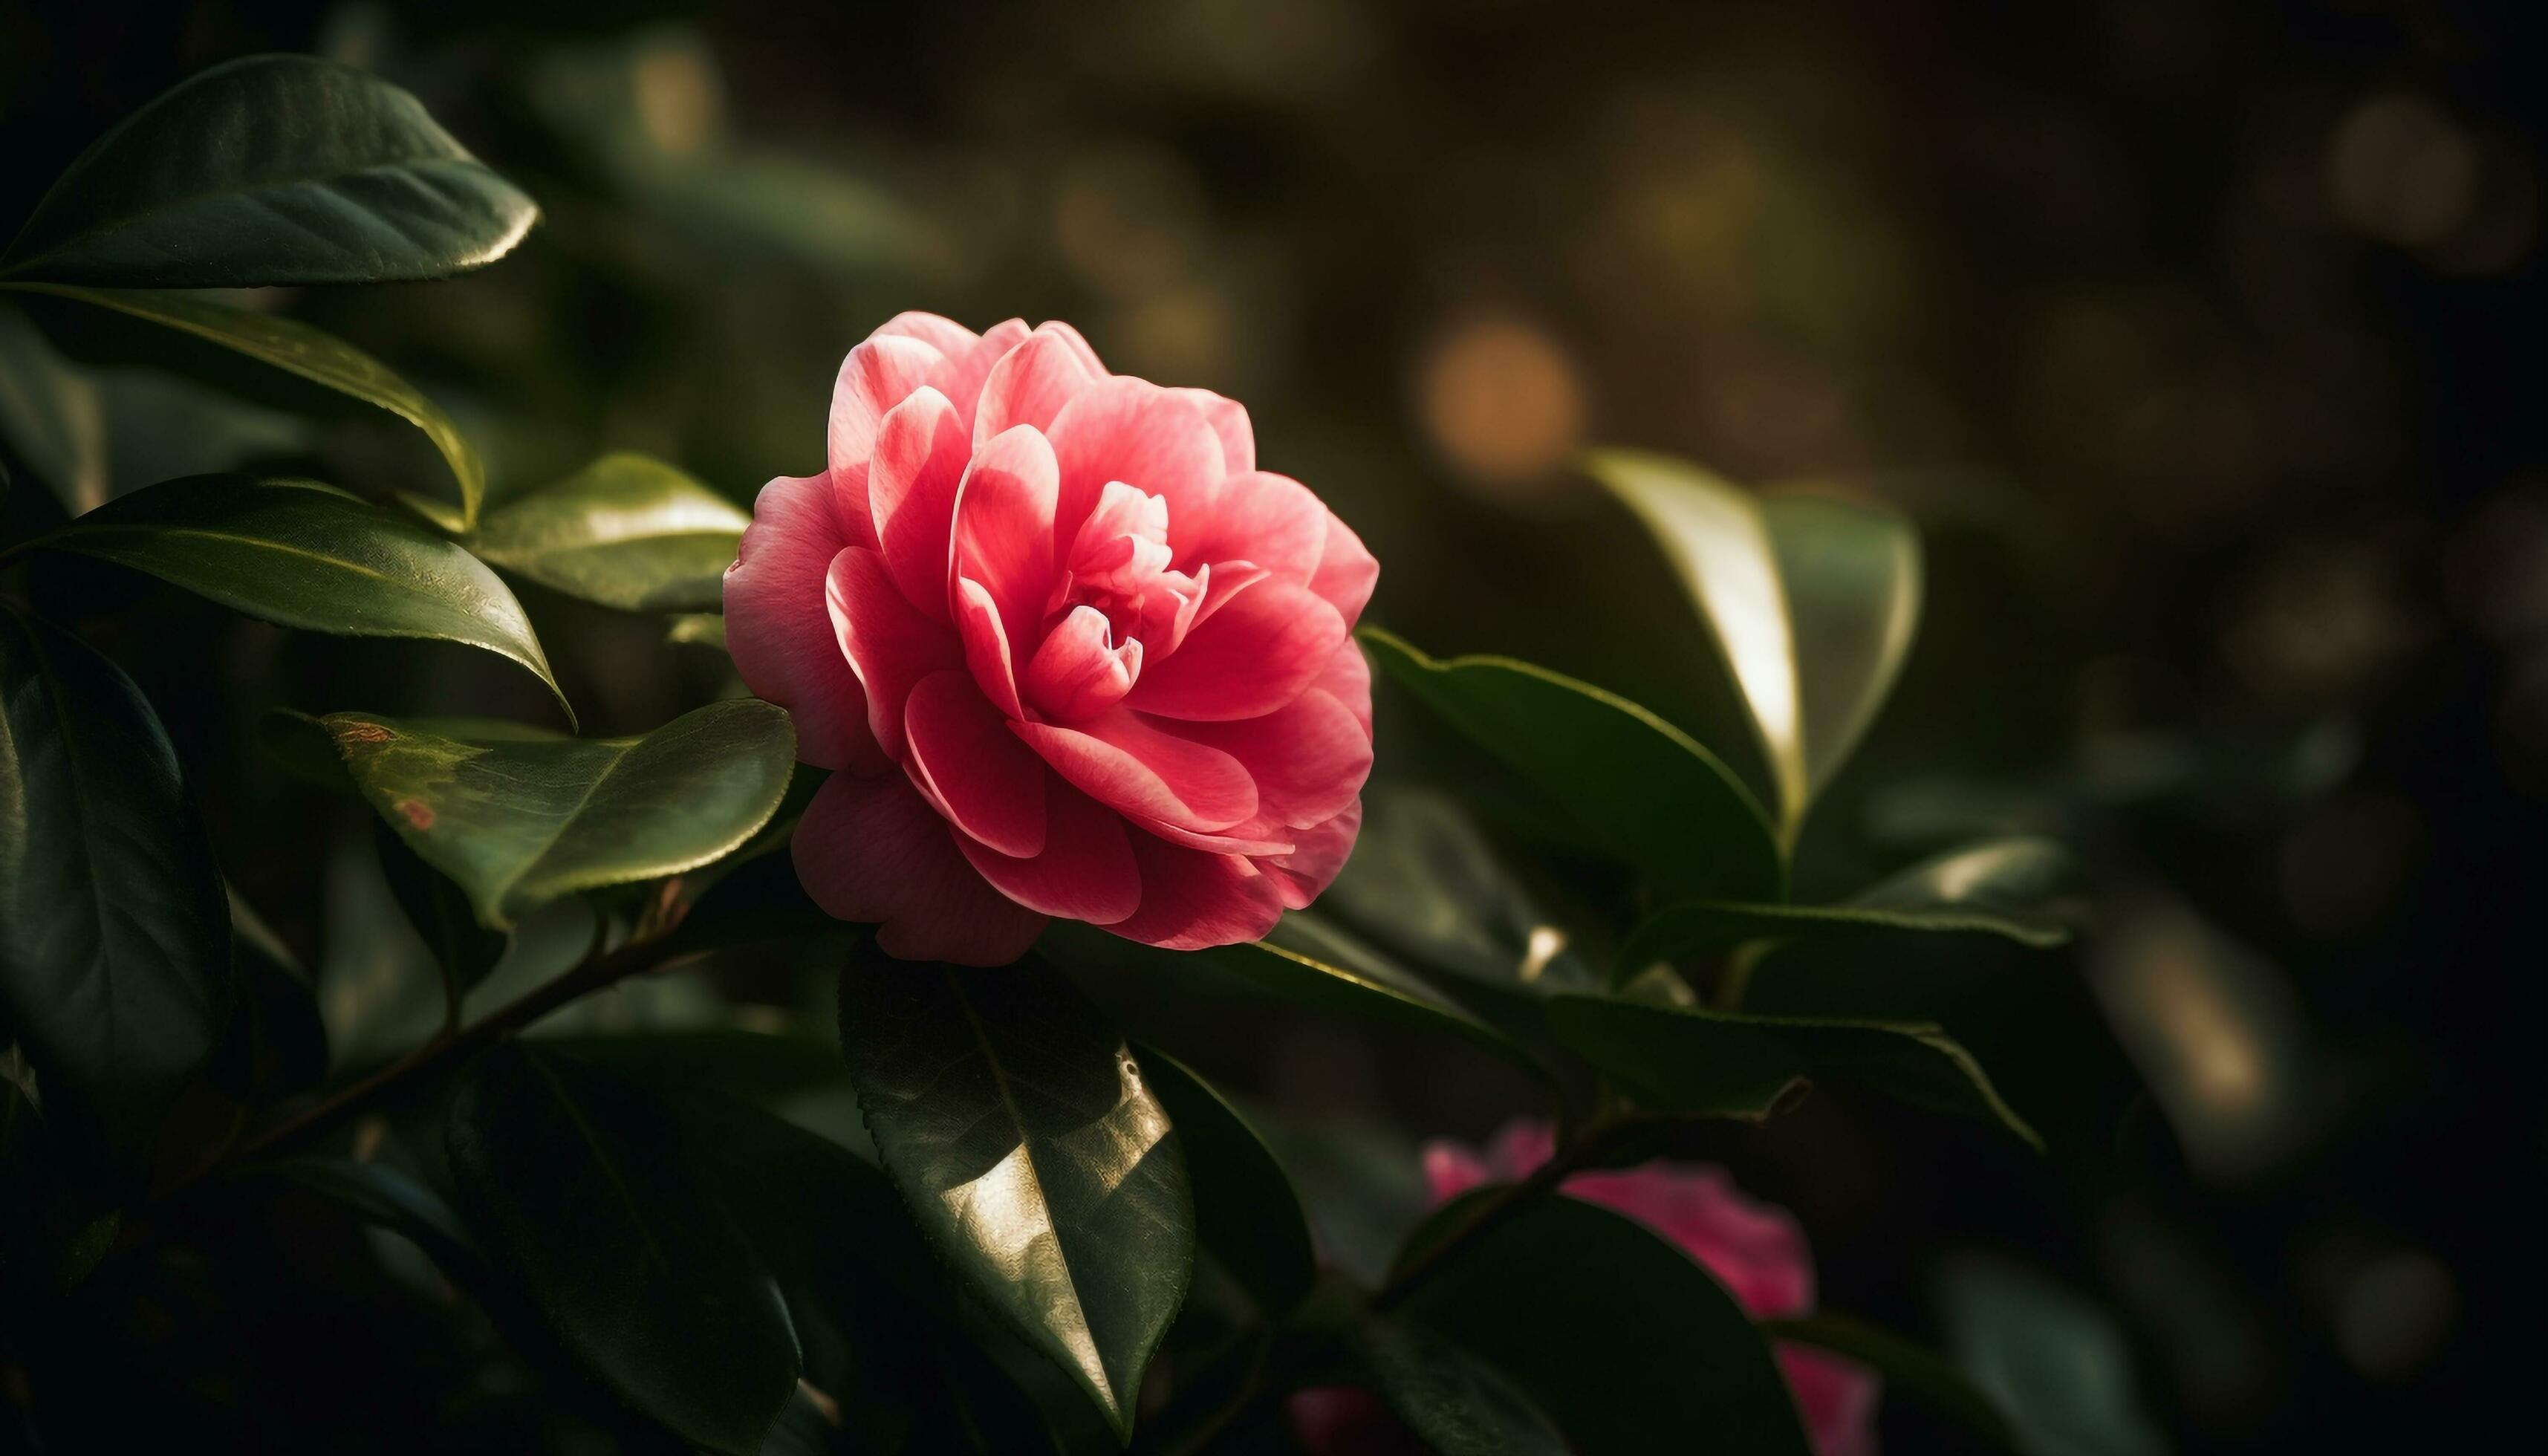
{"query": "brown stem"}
pixel 448 1049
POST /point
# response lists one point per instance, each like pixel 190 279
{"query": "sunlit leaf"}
pixel 52 414
pixel 1032 1152
pixel 1639 786
pixel 1910 1370
pixel 1692 1060
pixel 1245 1211
pixel 114 927
pixel 1623 1340
pixel 271 169
pixel 575 1184
pixel 299 350
pixel 702 629
pixel 2056 1363
pixel 2003 888
pixel 626 531
pixel 1425 883
pixel 310 556
pixel 1813 600
pixel 517 822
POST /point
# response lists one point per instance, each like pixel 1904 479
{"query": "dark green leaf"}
pixel 271 169
pixel 577 1184
pixel 1813 600
pixel 1459 1404
pixel 1692 1060
pixel 626 531
pixel 1424 881
pixel 519 821
pixel 52 414
pixel 114 927
pixel 2000 888
pixel 1246 1213
pixel 379 1194
pixel 1320 964
pixel 1020 1130
pixel 301 351
pixel 2054 1361
pixel 758 1066
pixel 275 1043
pixel 1622 1338
pixel 1639 786
pixel 310 556
pixel 439 910
pixel 1910 1369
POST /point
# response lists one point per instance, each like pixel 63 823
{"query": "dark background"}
pixel 2205 343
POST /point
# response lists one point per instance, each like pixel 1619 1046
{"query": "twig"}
pixel 447 1049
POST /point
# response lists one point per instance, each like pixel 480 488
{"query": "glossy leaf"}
pixel 307 353
pixel 52 414
pixel 271 169
pixel 1457 1402
pixel 114 927
pixel 1692 1060
pixel 1320 964
pixel 1641 786
pixel 1813 600
pixel 1033 1155
pixel 1425 883
pixel 2001 888
pixel 626 531
pixel 1910 1370
pixel 1245 1211
pixel 1623 1340
pixel 2057 1364
pixel 310 556
pixel 575 1184
pixel 519 821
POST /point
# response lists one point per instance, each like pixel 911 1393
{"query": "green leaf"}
pixel 577 1184
pixel 2053 1360
pixel 1813 603
pixel 1457 1402
pixel 306 352
pixel 275 1043
pixel 701 629
pixel 1620 1338
pixel 114 927
pixel 466 951
pixel 2002 888
pixel 1030 1152
pixel 626 531
pixel 1245 1211
pixel 271 169
pixel 310 556
pixel 754 1066
pixel 520 821
pixel 1910 1369
pixel 1424 881
pixel 52 414
pixel 1321 966
pixel 1641 786
pixel 1692 1060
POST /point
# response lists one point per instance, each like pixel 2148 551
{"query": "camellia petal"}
pixel 1317 853
pixel 1230 421
pixel 781 638
pixel 1032 382
pixel 1080 671
pixel 1122 429
pixel 986 647
pixel 962 377
pixel 1308 757
pixel 889 645
pixel 1086 871
pixel 873 850
pixel 1346 571
pixel 876 375
pixel 961 755
pixel 1003 532
pixel 940 332
pixel 920 460
pixel 1191 898
pixel 1271 521
pixel 1245 659
pixel 1126 762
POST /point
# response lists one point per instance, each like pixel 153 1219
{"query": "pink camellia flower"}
pixel 1755 1249
pixel 1068 650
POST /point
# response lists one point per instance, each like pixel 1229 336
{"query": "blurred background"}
pixel 2205 343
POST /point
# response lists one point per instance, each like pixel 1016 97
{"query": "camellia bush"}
pixel 1039 682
